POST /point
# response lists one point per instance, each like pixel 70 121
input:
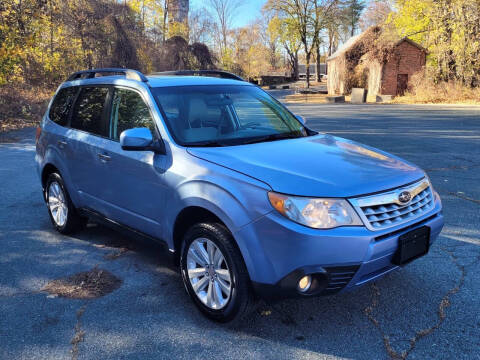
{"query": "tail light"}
pixel 37 135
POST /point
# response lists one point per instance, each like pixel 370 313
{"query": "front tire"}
pixel 60 207
pixel 214 273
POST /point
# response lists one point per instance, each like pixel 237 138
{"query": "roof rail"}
pixel 90 74
pixel 215 73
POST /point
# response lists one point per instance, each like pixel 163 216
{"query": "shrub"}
pixel 423 89
pixel 22 105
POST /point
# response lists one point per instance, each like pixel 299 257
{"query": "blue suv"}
pixel 249 201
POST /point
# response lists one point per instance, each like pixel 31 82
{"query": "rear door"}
pixel 134 186
pixel 56 132
pixel 87 139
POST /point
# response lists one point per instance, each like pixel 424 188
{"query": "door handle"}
pixel 61 144
pixel 104 158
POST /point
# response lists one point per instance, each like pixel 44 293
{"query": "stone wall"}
pixel 374 78
pixel 336 76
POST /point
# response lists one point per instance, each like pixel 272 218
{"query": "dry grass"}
pixel 22 106
pixel 85 285
pixel 425 91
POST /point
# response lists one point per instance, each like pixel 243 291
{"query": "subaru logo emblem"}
pixel 404 197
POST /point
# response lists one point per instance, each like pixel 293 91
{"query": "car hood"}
pixel 320 165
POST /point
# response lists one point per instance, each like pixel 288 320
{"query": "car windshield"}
pixel 219 115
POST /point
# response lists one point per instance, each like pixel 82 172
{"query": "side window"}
pixel 61 105
pixel 88 110
pixel 129 111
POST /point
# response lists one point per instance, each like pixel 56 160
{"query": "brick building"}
pixel 389 78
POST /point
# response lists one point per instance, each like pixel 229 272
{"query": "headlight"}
pixel 315 213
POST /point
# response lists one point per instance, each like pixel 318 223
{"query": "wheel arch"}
pixel 54 167
pixel 220 201
pixel 188 217
pixel 48 169
pixel 195 214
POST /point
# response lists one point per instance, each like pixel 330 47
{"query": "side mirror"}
pixel 140 139
pixel 301 119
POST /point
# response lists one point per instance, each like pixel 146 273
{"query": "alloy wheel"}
pixel 57 204
pixel 209 274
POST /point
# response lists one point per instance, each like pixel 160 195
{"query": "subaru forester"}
pixel 249 201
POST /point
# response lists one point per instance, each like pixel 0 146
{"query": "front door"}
pixel 133 186
pixel 402 84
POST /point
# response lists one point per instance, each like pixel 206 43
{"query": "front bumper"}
pixel 279 252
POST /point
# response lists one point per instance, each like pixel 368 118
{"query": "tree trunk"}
pixel 51 29
pixel 293 62
pixel 273 56
pixel 331 39
pixel 165 19
pixel 317 55
pixel 295 66
pixel 224 40
pixel 307 66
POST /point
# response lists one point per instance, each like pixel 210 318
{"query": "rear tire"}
pixel 63 214
pixel 223 289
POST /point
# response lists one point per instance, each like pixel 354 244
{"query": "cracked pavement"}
pixel 428 310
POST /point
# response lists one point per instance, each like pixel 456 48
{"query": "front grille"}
pixel 384 210
pixel 381 216
pixel 339 277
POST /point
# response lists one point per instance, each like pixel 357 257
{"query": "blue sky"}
pixel 248 11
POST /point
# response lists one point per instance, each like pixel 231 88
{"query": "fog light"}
pixel 304 283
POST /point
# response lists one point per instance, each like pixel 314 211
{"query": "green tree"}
pixel 290 39
pixel 273 36
pixel 450 30
pixel 353 11
pixel 20 23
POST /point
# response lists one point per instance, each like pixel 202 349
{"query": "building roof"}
pixel 411 42
pixel 350 42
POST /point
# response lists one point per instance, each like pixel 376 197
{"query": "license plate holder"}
pixel 412 245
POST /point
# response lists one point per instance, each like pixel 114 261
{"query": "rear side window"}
pixel 129 111
pixel 89 109
pixel 61 105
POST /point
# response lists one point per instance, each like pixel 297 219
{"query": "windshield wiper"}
pixel 271 137
pixel 239 141
pixel 207 143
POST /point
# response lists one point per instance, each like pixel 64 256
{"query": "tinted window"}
pixel 129 111
pixel 88 111
pixel 61 105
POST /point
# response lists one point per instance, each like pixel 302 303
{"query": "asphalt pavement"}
pixel 428 310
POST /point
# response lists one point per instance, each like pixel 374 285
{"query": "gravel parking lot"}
pixel 429 309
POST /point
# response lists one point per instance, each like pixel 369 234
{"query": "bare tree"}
pixel 310 17
pixel 200 25
pixel 224 11
pixel 376 13
pixel 333 28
